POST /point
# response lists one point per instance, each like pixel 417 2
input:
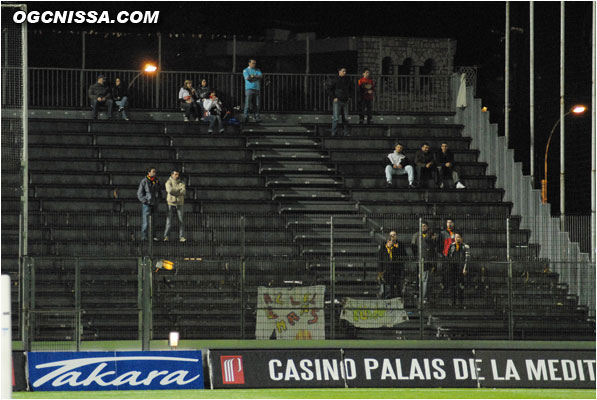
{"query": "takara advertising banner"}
pixel 125 370
pixel 374 313
pixel 297 368
pixel 290 313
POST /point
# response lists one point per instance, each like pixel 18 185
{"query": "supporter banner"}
pixel 289 368
pixel 19 379
pixel 374 313
pixel 537 368
pixel 290 313
pixel 131 370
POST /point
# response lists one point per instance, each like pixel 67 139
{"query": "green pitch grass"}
pixel 321 394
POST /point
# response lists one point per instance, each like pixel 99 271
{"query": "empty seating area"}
pixel 267 205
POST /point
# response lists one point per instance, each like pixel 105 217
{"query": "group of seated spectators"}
pixel 446 254
pixel 102 94
pixel 428 165
pixel 202 104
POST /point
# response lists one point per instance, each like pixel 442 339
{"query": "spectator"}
pixel 213 111
pixel 446 238
pixel 203 92
pixel 428 240
pixel 340 89
pixel 444 160
pixel 149 194
pixel 397 164
pixel 459 254
pixel 366 92
pixel 253 78
pixel 425 165
pixel 99 94
pixel 176 190
pixel 188 100
pixel 390 267
pixel 120 96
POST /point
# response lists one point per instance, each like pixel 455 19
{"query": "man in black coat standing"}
pixel 340 89
pixel 100 94
pixel 390 267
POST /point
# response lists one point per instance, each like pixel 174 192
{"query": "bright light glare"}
pixel 579 109
pixel 173 339
pixel 150 68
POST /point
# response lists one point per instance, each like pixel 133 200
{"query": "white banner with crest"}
pixel 364 313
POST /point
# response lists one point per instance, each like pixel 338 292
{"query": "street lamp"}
pixel 149 68
pixel 577 109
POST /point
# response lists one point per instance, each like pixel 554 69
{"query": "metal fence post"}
pixel 146 322
pixel 510 294
pixel 242 298
pixel 26 295
pixel 332 281
pixel 421 272
pixel 78 303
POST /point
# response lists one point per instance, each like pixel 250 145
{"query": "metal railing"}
pixel 67 88
pixel 222 274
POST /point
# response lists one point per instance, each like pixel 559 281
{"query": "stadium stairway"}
pixel 291 182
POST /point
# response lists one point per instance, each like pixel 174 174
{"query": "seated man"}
pixel 120 96
pixel 444 160
pixel 424 164
pixel 397 164
pixel 213 111
pixel 100 94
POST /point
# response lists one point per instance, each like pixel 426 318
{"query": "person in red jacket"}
pixel 366 92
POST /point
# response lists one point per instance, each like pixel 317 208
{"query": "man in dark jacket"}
pixel 149 194
pixel 429 250
pixel 444 160
pixel 458 256
pixel 340 89
pixel 390 267
pixel 424 165
pixel 100 94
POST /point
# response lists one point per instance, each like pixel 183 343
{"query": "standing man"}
pixel 100 94
pixel 444 159
pixel 390 267
pixel 366 91
pixel 253 78
pixel 149 194
pixel 429 247
pixel 176 190
pixel 458 256
pixel 340 89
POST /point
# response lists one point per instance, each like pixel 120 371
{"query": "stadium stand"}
pixel 259 200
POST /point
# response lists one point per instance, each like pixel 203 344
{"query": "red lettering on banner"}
pixel 267 299
pixel 315 316
pixel 294 302
pixel 292 318
pixel 271 314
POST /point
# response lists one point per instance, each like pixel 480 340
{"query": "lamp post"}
pixel 578 109
pixel 149 68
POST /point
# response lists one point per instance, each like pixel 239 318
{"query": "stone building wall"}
pixel 373 50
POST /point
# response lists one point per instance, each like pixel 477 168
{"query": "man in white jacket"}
pixel 397 164
pixel 176 191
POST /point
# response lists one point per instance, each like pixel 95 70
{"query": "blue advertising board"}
pixel 121 370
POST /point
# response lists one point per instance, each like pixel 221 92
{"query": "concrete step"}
pixel 411 144
pixel 365 155
pixel 294 167
pixel 448 208
pixel 302 180
pixel 428 196
pixel 281 142
pixel 299 193
pixel 277 154
pixel 292 130
pixel 318 207
pixel 378 168
pixel 401 181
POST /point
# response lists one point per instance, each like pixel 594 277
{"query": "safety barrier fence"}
pixel 297 277
pixel 68 88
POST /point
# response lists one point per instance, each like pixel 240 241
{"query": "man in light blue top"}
pixel 253 78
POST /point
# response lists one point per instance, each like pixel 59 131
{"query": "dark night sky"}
pixel 478 27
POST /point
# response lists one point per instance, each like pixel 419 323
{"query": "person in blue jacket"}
pixel 253 78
